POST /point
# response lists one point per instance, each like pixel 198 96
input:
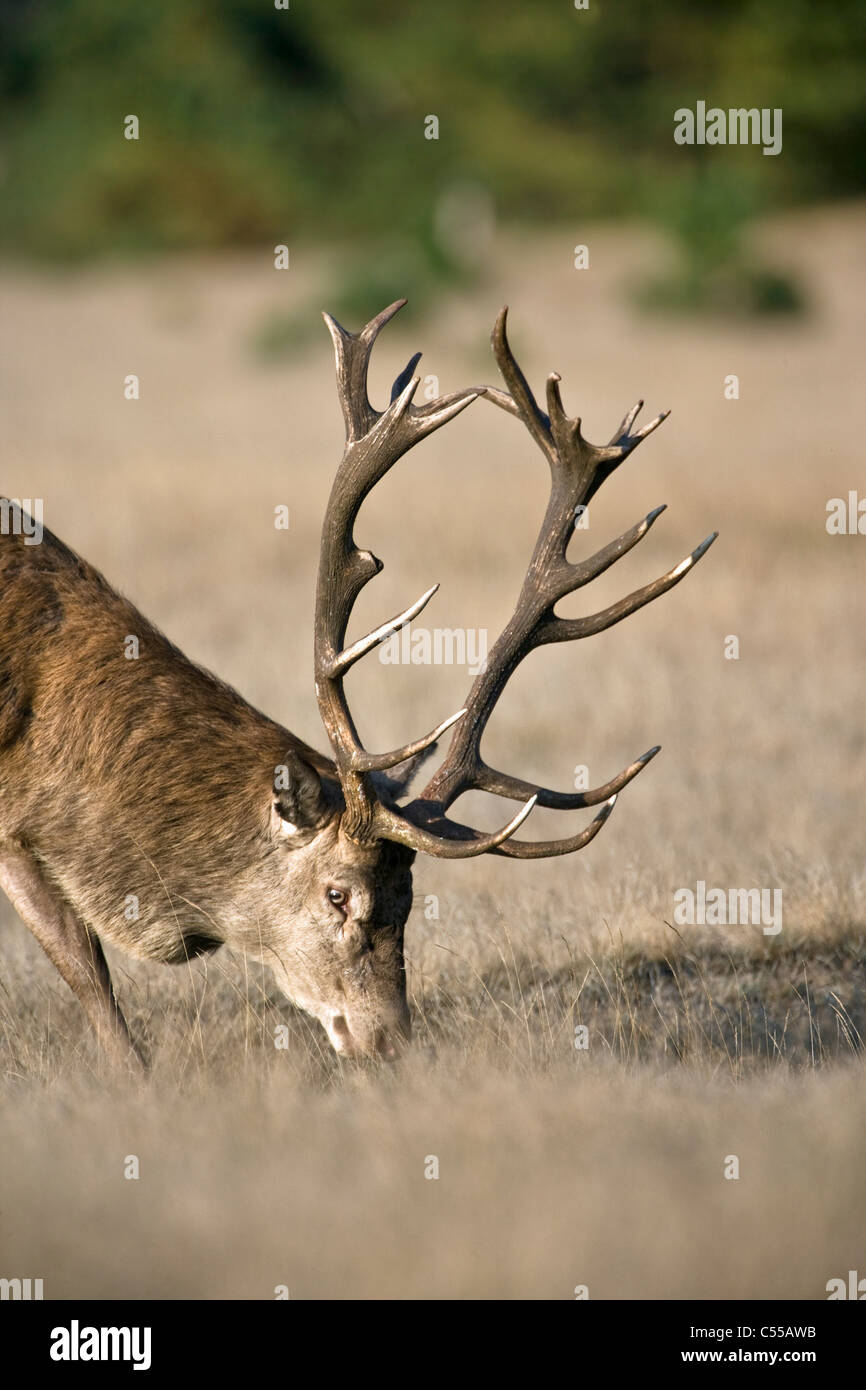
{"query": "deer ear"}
pixel 299 804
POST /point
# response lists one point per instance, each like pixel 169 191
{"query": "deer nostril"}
pixel 390 1044
pixel 385 1047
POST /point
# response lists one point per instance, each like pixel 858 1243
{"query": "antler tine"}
pixel 565 629
pixel 380 762
pixel 459 841
pixel 347 658
pixel 352 352
pixel 578 469
pixel 403 379
pixel 521 395
pixel 500 784
pixel 550 849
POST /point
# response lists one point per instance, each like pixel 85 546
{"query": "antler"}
pixel 374 442
pixel 578 470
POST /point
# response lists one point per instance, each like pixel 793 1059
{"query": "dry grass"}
pixel 558 1166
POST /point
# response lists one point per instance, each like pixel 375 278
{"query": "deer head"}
pixel 350 844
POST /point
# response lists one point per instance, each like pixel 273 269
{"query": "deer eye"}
pixel 337 897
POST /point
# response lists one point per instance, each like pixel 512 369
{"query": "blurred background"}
pixel 306 125
pixel 155 257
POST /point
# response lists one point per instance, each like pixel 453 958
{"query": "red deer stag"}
pixel 145 803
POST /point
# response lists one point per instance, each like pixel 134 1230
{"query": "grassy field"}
pixel 559 1166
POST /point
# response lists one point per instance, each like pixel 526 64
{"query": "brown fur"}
pixel 150 777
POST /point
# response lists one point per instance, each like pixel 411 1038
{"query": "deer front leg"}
pixel 71 945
